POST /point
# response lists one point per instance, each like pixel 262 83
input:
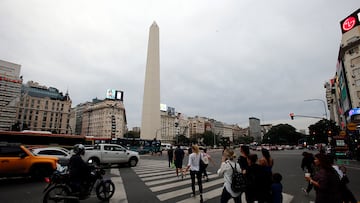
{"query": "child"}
pixel 276 188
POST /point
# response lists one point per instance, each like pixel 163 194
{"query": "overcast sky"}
pixel 223 59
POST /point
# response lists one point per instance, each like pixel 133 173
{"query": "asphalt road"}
pixel 132 187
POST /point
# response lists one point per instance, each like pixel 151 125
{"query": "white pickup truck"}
pixel 111 154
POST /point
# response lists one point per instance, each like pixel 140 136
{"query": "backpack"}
pixel 238 181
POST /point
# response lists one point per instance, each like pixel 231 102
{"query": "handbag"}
pixel 202 165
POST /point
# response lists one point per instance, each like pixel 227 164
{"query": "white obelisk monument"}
pixel 150 121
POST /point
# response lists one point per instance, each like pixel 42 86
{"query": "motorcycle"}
pixel 59 188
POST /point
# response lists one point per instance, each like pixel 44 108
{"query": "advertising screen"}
pixel 110 94
pixel 119 95
pixel 114 94
pixel 163 107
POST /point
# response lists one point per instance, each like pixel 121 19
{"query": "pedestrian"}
pixel 276 188
pixel 228 163
pixel 258 181
pixel 326 181
pixel 242 160
pixel 206 159
pixel 170 153
pixel 194 166
pixel 266 160
pixel 178 159
pixel 307 165
pixel 346 194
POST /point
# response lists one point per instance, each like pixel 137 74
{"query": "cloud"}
pixel 227 60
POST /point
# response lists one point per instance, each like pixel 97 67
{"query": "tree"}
pixel 282 134
pixel 322 130
pixel 209 138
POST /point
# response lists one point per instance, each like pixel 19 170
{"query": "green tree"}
pixel 282 134
pixel 322 130
pixel 209 138
pixel 246 139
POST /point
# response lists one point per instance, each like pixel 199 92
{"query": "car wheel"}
pixel 133 162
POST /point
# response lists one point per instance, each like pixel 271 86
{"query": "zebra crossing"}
pixel 162 181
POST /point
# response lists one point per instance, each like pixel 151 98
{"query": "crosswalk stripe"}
pixel 184 182
pixel 159 177
pixel 184 191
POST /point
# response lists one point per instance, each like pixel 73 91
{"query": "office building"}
pixel 43 109
pixel 10 89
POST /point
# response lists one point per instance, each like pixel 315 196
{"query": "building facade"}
pixel 43 109
pixel 255 129
pixel 343 91
pixel 10 91
pixel 104 118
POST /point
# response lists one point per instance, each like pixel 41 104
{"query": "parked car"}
pixel 17 160
pixel 62 154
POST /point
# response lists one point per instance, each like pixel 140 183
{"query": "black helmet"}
pixel 79 149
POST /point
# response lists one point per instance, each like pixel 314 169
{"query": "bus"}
pixel 143 146
pixel 41 138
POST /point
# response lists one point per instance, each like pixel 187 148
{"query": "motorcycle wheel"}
pixel 105 190
pixel 56 193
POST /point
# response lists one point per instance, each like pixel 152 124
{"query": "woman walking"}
pixel 228 164
pixel 326 181
pixel 194 166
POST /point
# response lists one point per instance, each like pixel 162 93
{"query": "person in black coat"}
pixel 258 181
pixel 79 171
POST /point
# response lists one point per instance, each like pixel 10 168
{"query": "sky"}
pixel 223 59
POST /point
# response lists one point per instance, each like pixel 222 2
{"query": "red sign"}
pixel 351 21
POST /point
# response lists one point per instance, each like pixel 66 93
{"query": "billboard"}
pixel 350 22
pixel 114 94
pixel 163 107
pixel 171 111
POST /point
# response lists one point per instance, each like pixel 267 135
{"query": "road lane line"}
pixel 120 194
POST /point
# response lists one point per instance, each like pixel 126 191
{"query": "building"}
pixel 104 118
pixel 150 120
pixel 255 129
pixel 343 91
pixel 43 109
pixel 10 89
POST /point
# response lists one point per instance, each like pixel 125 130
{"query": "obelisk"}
pixel 150 121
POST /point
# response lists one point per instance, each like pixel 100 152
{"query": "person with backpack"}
pixel 230 170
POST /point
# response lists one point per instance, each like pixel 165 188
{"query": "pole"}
pixel 320 101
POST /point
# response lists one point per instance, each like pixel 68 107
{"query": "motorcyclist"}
pixel 78 169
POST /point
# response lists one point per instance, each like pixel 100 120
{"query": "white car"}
pixel 59 152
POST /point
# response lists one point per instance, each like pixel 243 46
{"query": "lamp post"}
pixel 320 101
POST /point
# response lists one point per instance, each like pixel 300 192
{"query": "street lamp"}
pixel 320 101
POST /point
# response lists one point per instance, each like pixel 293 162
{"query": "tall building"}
pixel 43 109
pixel 255 129
pixel 343 91
pixel 150 121
pixel 10 89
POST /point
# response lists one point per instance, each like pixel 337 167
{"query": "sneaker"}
pixel 305 191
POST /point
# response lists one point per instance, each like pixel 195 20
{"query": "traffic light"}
pixel 176 124
pixel 292 116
